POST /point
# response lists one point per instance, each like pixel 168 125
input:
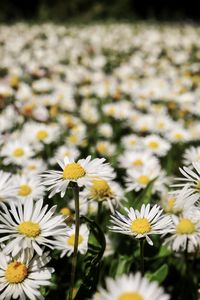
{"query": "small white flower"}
pixel 67 244
pixel 108 192
pixel 156 145
pixel 29 187
pixel 143 223
pixel 131 287
pixel 191 155
pixel 22 276
pixel 30 225
pixel 83 172
pixel 185 231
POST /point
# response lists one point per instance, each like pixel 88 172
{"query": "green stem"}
pixel 99 212
pixel 75 189
pixel 142 241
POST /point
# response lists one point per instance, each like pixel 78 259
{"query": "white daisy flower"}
pixel 137 159
pixel 140 178
pixel 105 148
pixel 131 287
pixel 23 275
pixel 179 201
pixel 34 166
pixel 30 225
pixel 185 231
pixel 131 142
pixel 16 152
pixel 191 178
pixel 191 155
pixel 64 150
pixel 143 223
pixel 7 187
pixel 67 244
pixel 83 172
pixel 156 145
pixel 29 187
pixel 108 192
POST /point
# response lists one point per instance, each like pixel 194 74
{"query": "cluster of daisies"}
pixel 107 114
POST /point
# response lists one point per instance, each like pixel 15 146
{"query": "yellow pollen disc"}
pixel 29 229
pixel 100 189
pixel 41 135
pixel 143 179
pixel 24 190
pixel 197 186
pixel 65 211
pixel 130 296
pixel 140 226
pixel 198 157
pixel 179 136
pixel 18 152
pixel 170 205
pixel 16 272
pixel 31 167
pixel 185 226
pixel 153 145
pixel 71 240
pixel 101 148
pixel 73 139
pixel 73 171
pixel 137 163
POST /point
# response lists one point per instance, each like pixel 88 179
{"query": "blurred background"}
pixel 94 10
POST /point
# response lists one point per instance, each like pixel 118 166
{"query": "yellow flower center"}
pixel 73 139
pixel 141 226
pixel 178 136
pixel 100 189
pixel 71 239
pixel 18 152
pixel 101 148
pixel 185 226
pixel 41 135
pixel 73 171
pixel 153 145
pixel 29 229
pixel 197 186
pixel 137 163
pixel 31 167
pixel 170 205
pixel 16 272
pixel 130 296
pixel 143 179
pixel 65 211
pixel 24 190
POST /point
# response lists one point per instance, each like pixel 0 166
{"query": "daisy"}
pixel 105 148
pixel 108 192
pixel 137 159
pixel 191 177
pixel 29 187
pixel 64 150
pixel 83 172
pixel 180 201
pixel 67 244
pixel 185 231
pixel 16 152
pixel 40 133
pixel 23 275
pixel 191 155
pixel 131 287
pixel 8 187
pixel 30 225
pixel 156 145
pixel 138 179
pixel 131 142
pixel 143 223
pixel 34 166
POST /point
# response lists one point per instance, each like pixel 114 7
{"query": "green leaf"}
pixel 124 264
pixel 159 275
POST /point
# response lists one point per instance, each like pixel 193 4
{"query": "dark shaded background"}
pixel 87 10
